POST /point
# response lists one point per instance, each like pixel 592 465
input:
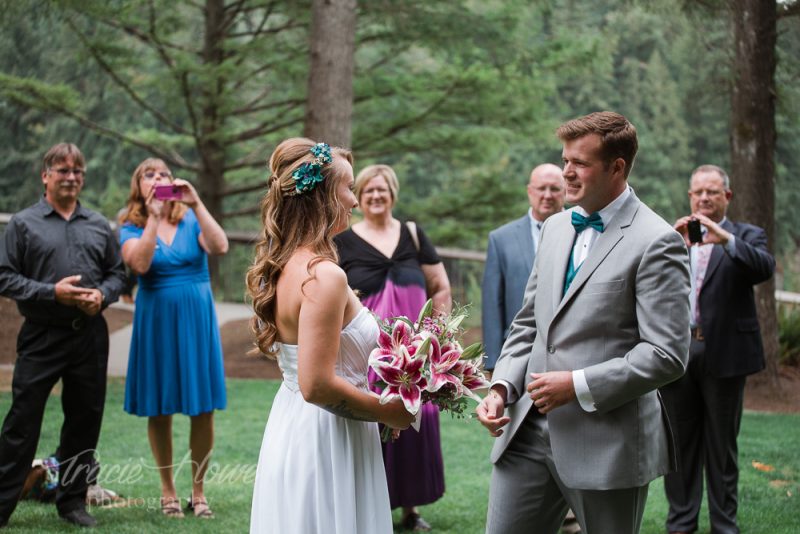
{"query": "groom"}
pixel 604 323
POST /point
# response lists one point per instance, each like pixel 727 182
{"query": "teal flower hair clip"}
pixel 309 174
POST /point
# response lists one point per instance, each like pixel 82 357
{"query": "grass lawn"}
pixel 768 499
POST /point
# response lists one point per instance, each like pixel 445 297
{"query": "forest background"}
pixel 461 97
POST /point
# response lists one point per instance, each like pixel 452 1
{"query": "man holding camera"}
pixel 61 263
pixel 705 405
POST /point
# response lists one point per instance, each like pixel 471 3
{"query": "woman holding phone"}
pixel 175 363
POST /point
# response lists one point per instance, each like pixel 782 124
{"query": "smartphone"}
pixel 168 192
pixel 695 233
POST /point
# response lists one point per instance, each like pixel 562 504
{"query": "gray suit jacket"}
pixel 625 322
pixel 509 260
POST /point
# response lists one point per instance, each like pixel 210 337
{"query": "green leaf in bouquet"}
pixel 455 322
pixel 472 352
pixel 403 318
pixel 426 311
pixel 423 348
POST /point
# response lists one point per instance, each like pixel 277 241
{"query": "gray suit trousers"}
pixel 526 494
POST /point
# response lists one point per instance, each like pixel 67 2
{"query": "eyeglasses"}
pixel 65 171
pixel 710 193
pixel 152 174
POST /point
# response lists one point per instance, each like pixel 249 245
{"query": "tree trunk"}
pixel 753 138
pixel 211 178
pixel 330 79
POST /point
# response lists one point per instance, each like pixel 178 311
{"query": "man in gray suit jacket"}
pixel 604 323
pixel 509 258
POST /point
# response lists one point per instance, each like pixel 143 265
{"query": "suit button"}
pixel 551 349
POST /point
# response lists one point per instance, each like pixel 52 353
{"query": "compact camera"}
pixel 168 192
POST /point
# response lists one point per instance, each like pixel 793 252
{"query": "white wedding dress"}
pixel 318 472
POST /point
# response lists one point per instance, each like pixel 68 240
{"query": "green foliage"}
pixel 461 97
pixel 789 335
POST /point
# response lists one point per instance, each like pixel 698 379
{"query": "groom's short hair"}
pixel 617 135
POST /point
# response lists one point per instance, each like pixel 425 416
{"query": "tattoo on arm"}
pixel 343 410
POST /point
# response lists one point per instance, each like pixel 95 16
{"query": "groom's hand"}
pixel 490 411
pixel 551 390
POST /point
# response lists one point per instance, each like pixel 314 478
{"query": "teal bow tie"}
pixel 581 223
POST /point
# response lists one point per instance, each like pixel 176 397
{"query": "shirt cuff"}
pixel 511 392
pixel 48 292
pixel 730 246
pixel 582 392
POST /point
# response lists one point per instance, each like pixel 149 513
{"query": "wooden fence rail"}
pixel 451 256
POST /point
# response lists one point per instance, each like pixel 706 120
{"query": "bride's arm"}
pixel 319 327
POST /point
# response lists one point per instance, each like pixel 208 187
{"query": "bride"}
pixel 320 467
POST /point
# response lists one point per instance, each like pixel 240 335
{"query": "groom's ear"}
pixel 618 168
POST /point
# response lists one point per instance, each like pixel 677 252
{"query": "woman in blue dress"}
pixel 175 363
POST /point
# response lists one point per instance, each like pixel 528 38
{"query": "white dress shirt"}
pixel 730 248
pixel 583 245
pixel 536 230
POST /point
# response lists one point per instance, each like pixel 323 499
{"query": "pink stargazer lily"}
pixel 388 344
pixel 470 377
pixel 399 363
pixel 442 360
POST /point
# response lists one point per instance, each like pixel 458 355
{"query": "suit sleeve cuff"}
pixel 582 392
pixel 730 246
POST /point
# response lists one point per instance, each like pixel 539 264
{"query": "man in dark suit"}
pixel 705 405
pixel 509 258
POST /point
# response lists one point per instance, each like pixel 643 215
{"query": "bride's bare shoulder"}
pixel 319 274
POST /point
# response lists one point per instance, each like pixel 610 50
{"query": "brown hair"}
pixel 370 172
pixel 617 135
pixel 292 220
pixel 136 210
pixel 62 152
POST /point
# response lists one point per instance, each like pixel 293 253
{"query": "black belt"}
pixel 697 333
pixel 76 324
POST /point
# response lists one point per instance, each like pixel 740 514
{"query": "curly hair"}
pixel 290 221
pixel 136 210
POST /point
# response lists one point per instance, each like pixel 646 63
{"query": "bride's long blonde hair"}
pixel 292 220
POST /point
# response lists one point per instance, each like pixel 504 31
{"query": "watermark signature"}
pixel 134 470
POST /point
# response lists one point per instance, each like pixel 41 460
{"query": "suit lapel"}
pixel 524 236
pixel 605 243
pixel 716 254
pixel 564 236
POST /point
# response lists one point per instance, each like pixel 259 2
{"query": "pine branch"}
pixel 251 107
pixel 105 66
pixel 266 127
pixel 413 121
pixel 172 158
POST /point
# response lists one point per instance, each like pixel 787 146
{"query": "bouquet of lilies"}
pixel 423 361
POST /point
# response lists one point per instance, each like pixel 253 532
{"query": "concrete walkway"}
pixel 120 341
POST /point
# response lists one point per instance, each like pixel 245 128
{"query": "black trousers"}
pixel 705 413
pixel 46 354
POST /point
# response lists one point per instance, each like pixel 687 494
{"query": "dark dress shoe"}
pixel 79 517
pixel 415 523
